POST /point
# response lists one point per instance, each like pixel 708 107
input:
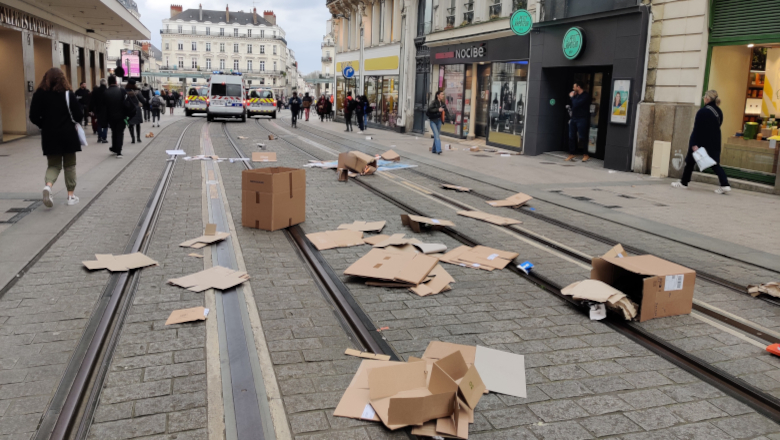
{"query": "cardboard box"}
pixel 359 162
pixel 661 288
pixel 392 266
pixel 479 257
pixel 417 223
pixel 336 239
pixel 391 155
pixel 512 201
pixel 273 198
pixel 216 277
pixel 601 292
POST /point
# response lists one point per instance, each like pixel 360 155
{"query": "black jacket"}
pixel 295 103
pixel 137 98
pixel 148 95
pixel 83 96
pixel 97 104
pixel 580 106
pixel 49 112
pixel 706 130
pixel 114 99
pixel 433 109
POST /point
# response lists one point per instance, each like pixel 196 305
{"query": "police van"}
pixel 261 102
pixel 226 96
pixel 196 100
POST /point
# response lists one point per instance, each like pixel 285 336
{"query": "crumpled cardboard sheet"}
pixel 512 201
pixel 600 292
pixel 771 289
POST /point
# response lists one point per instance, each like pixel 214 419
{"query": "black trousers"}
pixel 294 117
pixel 348 120
pixel 359 117
pixel 690 162
pixel 117 135
pixel 147 113
pixel 137 133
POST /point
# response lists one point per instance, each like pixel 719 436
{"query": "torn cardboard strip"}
pixel 263 156
pixel 210 236
pixel 363 226
pixel 187 315
pixel 455 187
pixel 490 218
pixel 771 289
pixel 600 292
pixel 516 200
pixel 418 223
pixel 391 156
pixel 119 263
pixel 367 355
pixel 335 239
pixel 217 277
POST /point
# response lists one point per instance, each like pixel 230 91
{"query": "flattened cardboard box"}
pixel 515 200
pixel 119 263
pixel 217 277
pixel 354 403
pixel 210 235
pixel 661 288
pixel 273 198
pixel 417 223
pixel 262 156
pixel 387 265
pixel 490 218
pixel 336 239
pixel 363 226
pixel 187 315
pixel 391 155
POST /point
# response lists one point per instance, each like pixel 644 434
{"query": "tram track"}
pixel 734 386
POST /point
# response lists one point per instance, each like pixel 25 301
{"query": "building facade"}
pixel 36 37
pixel 202 41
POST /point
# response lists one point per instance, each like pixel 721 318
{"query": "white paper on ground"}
pixel 673 282
pixel 368 412
pixel 501 372
pixel 175 152
pixel 434 221
pixel 598 312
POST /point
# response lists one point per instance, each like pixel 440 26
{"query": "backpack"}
pixel 128 108
pixel 156 103
pixel 352 105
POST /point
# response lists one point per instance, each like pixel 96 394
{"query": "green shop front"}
pixel 743 65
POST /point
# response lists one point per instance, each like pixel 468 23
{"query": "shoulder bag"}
pixel 79 129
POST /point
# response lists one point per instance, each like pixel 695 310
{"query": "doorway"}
pixel 482 113
pixel 598 82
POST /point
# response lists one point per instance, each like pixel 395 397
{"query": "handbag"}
pixel 79 129
pixel 703 160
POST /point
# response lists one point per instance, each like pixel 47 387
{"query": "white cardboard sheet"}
pixel 501 372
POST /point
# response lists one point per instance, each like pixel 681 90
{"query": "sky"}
pixel 303 22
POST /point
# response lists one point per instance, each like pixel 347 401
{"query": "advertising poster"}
pixel 621 89
pixel 131 61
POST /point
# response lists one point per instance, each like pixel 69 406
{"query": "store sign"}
pixel 510 48
pixel 521 22
pixel 23 21
pixel 479 51
pixel 573 43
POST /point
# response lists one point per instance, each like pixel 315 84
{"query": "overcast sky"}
pixel 303 22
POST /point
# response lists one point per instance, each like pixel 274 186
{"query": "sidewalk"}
pixel 22 167
pixel 736 224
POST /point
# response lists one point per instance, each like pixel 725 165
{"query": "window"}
pixel 221 32
pixel 221 47
pixel 194 63
pixel 208 63
pixel 248 48
pixel 194 45
pixel 274 81
pixel 249 33
pixel 181 62
pixel 166 62
pixel 327 54
pixel 274 49
pixel 167 46
pixel 235 64
pixel 194 30
pixel 248 65
pixel 208 47
pixel 181 46
pixel 235 32
pixel 468 15
pixel 262 33
pixel 262 66
pixel 274 65
pixel 208 31
pixel 235 47
pixel 451 15
pixel 226 89
pixel 180 27
pixel 262 48
pixel 221 64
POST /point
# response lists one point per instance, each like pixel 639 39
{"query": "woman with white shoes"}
pixel 706 133
pixel 54 109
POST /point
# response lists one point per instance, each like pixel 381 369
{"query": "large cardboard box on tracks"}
pixel 660 287
pixel 273 198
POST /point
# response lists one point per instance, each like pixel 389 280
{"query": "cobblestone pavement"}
pixel 584 380
pixel 43 316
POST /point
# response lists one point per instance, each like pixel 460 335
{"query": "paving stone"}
pixel 746 426
pixel 560 431
pixel 510 417
pixel 653 418
pixel 563 390
pixel 612 424
pixel 603 404
pixel 129 428
pixel 558 410
pixel 646 398
pixel 699 431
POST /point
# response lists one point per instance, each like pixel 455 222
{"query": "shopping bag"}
pixel 79 129
pixel 703 160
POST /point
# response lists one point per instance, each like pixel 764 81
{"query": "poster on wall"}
pixel 131 61
pixel 621 92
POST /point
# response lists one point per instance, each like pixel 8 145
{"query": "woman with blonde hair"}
pixel 54 109
pixel 706 133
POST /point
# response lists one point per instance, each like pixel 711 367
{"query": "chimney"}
pixel 254 16
pixel 270 17
pixel 175 9
pixel 227 14
pixel 200 11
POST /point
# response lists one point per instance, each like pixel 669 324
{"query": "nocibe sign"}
pixel 476 51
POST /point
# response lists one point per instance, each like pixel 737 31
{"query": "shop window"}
pixel 451 81
pixel 507 103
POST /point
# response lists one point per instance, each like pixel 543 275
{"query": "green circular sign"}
pixel 552 102
pixel 573 43
pixel 521 22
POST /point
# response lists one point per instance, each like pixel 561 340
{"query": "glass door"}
pixel 484 99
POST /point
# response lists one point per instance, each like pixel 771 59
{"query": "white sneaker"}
pixel 48 200
pixel 360 132
pixel 119 156
pixel 72 200
pixel 723 190
pixel 679 185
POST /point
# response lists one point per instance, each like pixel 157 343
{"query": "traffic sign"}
pixel 521 22
pixel 348 72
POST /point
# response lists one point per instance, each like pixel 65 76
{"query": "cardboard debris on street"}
pixel 263 156
pixel 119 263
pixel 518 199
pixel 490 218
pixel 391 156
pixel 210 236
pixel 363 226
pixel 600 292
pixel 455 187
pixel 400 268
pixel 273 198
pixel 336 239
pixel 435 394
pixel 661 288
pixel 358 162
pixel 771 289
pixel 187 315
pixel 366 355
pixel 217 277
pixel 479 257
pixel 399 241
pixel 418 223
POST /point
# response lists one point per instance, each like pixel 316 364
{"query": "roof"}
pixel 242 18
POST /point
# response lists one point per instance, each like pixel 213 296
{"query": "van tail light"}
pixel 187 100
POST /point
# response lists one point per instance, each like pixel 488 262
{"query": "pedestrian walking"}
pixel 170 100
pixel 157 103
pixel 175 94
pixel 148 94
pixel 367 109
pixel 360 112
pixel 330 116
pixel 98 106
pixel 307 102
pixel 82 94
pixel 437 112
pixel 579 125
pixel 349 107
pixel 295 108
pixel 55 110
pixel 706 134
pixel 135 96
pixel 322 109
pixel 116 111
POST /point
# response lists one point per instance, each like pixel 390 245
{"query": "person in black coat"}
pixel 137 98
pixel 98 108
pixel 82 94
pixel 579 125
pixel 56 116
pixel 114 100
pixel 706 133
pixel 295 108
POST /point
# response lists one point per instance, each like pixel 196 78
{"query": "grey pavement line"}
pixel 721 247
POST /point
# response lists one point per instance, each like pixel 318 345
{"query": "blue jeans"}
pixel 102 131
pixel 436 128
pixel 578 126
pixel 365 121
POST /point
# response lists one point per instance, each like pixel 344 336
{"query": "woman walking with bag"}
pixel 55 110
pixel 138 100
pixel 706 135
pixel 436 113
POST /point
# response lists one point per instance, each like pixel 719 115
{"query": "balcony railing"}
pixel 212 34
pixel 558 9
pixel 468 16
pixel 327 59
pixel 450 18
pixel 495 10
pixel 327 44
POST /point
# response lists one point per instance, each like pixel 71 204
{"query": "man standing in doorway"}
pixel 580 122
